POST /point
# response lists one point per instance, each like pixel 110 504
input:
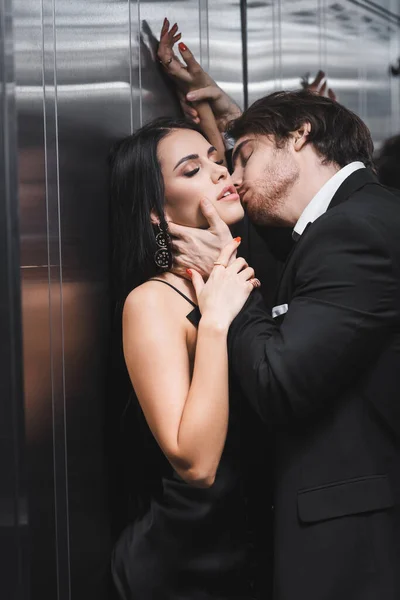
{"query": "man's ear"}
pixel 301 136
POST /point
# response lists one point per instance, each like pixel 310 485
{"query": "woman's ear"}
pixel 154 218
pixel 301 136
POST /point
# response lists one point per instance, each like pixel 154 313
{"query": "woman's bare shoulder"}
pixel 154 300
pixel 144 299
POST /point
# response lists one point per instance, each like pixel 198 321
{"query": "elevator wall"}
pixel 81 74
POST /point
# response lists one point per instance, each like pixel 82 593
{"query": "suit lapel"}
pixel 282 288
pixel 353 183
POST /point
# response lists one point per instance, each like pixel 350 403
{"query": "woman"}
pixel 191 541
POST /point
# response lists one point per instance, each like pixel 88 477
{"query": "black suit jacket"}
pixel 325 378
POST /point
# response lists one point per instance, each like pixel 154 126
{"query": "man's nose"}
pixel 236 178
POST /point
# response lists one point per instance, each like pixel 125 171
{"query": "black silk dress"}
pixel 193 543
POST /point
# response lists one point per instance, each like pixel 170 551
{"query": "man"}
pixel 323 370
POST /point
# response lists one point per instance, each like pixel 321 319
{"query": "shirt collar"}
pixel 319 204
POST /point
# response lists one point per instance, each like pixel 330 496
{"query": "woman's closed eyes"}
pixel 197 169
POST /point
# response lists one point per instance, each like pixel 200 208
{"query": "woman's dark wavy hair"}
pixel 137 188
pixel 338 135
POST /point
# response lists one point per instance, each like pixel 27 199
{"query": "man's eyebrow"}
pixel 193 157
pixel 238 149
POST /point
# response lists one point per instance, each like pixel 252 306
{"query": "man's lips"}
pixel 231 194
pixel 242 195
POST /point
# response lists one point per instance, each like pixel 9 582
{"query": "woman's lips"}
pixel 230 198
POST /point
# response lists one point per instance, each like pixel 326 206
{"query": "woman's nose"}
pixel 220 173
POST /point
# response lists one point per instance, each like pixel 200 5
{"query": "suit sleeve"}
pixel 341 314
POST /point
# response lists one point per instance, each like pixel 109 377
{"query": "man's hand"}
pixel 198 248
pixel 223 107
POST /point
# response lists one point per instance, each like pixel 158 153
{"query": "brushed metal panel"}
pixel 14 573
pixel 77 73
pixel 157 96
pixel 97 74
pixel 264 48
pixel 358 60
pixel 225 47
pixel 31 39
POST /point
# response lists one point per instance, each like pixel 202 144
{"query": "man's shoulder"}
pixel 354 226
pixel 374 207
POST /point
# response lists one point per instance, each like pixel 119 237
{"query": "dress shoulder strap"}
pixel 176 289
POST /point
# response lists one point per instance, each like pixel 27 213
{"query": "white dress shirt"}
pixel 319 204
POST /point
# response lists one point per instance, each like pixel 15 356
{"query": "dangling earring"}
pixel 162 256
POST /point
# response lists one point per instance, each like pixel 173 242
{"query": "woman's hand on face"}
pixel 198 248
pixel 227 288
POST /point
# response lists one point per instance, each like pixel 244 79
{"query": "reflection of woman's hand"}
pixel 227 288
pixel 319 86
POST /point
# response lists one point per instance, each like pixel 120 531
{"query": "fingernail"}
pixel 206 202
pixel 238 239
pixel 190 95
pixel 189 272
pixel 182 47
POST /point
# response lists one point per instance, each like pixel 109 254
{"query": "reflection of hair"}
pixel 137 188
pixel 337 134
pixel 388 162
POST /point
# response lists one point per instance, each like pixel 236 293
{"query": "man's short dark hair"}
pixel 338 135
pixel 388 162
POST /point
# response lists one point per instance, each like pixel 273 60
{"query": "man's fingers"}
pixel 227 252
pixel 211 92
pixel 187 109
pixel 197 280
pixel 178 231
pixel 210 213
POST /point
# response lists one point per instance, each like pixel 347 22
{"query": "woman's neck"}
pixel 179 281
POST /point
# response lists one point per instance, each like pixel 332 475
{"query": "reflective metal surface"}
pixel 354 42
pixel 14 574
pixel 86 74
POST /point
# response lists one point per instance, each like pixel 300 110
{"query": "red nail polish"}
pixel 182 47
pixel 238 239
pixel 189 272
